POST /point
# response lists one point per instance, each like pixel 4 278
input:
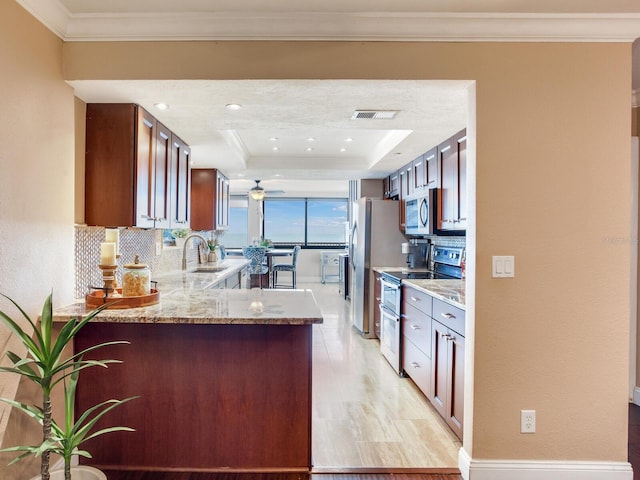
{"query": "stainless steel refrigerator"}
pixel 375 241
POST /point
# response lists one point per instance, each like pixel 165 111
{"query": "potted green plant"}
pixel 179 235
pixel 45 363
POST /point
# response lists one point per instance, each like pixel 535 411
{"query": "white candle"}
pixel 113 235
pixel 107 253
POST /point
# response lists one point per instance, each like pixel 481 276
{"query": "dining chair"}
pixel 257 257
pixel 286 267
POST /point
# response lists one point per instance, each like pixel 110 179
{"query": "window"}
pixel 306 221
pixel 237 234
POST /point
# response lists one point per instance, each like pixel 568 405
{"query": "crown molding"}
pixel 334 26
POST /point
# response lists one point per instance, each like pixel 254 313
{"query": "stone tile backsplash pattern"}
pixel 133 241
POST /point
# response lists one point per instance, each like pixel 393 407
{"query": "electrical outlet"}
pixel 527 421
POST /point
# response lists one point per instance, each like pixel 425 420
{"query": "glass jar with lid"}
pixel 136 279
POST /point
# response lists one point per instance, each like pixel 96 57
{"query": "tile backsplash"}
pixel 133 241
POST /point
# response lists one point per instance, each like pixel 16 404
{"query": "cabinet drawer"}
pixel 417 365
pixel 417 299
pixel 416 326
pixel 449 316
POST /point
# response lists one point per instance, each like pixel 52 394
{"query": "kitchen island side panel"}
pixel 211 396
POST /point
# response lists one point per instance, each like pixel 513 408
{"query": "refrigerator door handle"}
pixel 352 257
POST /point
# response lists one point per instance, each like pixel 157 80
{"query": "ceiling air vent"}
pixel 374 114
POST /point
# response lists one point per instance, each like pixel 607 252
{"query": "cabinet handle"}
pixel 415 299
pixel 447 315
pixel 415 365
pixel 446 336
pixel 415 327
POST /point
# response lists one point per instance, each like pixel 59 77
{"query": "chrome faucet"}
pixel 184 248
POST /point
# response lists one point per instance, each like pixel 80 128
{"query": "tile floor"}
pixel 364 415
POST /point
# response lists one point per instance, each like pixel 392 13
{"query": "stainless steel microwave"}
pixel 420 213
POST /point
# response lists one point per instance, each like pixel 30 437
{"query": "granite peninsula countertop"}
pixel 187 298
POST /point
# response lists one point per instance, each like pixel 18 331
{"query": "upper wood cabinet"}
pixel 419 174
pixel 130 174
pixel 181 187
pixel 452 169
pixel 392 185
pixel 407 182
pixel 430 171
pixel 209 199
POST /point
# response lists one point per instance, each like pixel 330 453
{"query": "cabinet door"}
pixel 461 141
pixel 145 164
pixel 452 168
pixel 431 168
pixel 439 367
pixel 209 199
pixel 419 174
pixel 448 201
pixel 222 202
pixel 455 383
pixel 394 184
pixel 180 183
pixel 161 187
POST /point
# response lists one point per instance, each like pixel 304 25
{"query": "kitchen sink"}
pixel 207 269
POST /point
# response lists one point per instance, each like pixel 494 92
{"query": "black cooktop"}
pixel 404 275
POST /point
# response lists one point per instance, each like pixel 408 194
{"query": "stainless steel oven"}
pixel 390 320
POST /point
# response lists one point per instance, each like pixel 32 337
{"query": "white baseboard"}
pixel 541 469
pixel 636 396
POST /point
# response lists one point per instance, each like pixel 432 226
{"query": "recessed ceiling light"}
pixel 275 149
pixel 233 106
pixel 309 149
pixel 343 149
pixel 273 139
pixel 348 139
pixel 161 106
pixel 311 139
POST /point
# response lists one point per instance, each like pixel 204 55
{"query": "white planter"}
pixel 80 472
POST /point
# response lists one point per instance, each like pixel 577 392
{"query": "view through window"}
pixel 306 221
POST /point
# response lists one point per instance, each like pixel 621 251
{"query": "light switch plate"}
pixel 503 266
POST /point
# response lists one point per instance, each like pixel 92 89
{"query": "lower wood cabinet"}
pixel 447 379
pixel 433 349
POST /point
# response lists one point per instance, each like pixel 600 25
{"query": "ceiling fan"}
pixel 258 193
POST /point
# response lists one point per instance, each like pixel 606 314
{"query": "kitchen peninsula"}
pixel 224 378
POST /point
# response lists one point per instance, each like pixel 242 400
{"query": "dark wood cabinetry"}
pixel 447 367
pixel 416 337
pixel 130 174
pixel 430 171
pixel 181 185
pixel 392 185
pixel 433 352
pixel 211 396
pixel 209 199
pixel 452 168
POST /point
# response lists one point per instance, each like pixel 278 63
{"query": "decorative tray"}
pixel 97 298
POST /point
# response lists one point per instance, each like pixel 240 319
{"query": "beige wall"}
pixel 36 195
pixel 552 189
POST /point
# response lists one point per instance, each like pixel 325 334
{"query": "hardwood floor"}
pixel 120 475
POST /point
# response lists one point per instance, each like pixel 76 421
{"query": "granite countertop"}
pixel 451 291
pixel 187 297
